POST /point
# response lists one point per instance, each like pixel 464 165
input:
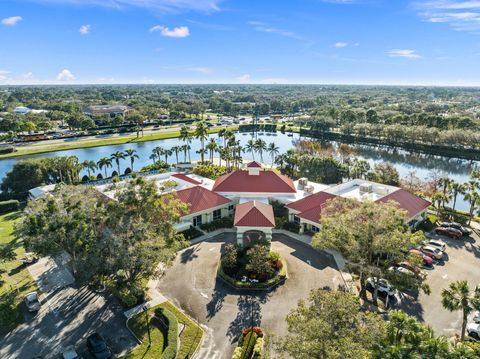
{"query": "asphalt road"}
pixel 222 311
pixel 462 262
pixel 66 318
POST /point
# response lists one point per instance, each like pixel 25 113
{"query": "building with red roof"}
pixel 204 205
pixel 254 221
pixel 254 182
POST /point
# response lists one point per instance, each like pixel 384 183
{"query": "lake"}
pixel 404 161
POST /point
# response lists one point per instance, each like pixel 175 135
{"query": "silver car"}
pixel 32 302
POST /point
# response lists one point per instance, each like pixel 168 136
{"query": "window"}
pixel 217 214
pixel 296 219
pixel 315 229
pixel 230 208
pixel 197 221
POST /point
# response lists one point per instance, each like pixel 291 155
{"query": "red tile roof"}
pixel 254 164
pixel 264 182
pixel 185 178
pixel 200 199
pixel 254 214
pixel 311 201
pixel 408 201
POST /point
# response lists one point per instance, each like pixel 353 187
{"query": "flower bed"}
pixel 240 270
pixel 250 345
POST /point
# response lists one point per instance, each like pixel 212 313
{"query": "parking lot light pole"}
pixel 145 309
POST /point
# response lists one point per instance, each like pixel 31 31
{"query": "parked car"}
pixel 409 266
pixel 437 243
pixel 455 225
pixel 383 286
pixel 403 270
pixel 432 252
pixel 449 231
pixel 70 353
pixel 476 317
pixel 427 261
pixel 98 347
pixel 29 258
pixel 473 330
pixel 32 302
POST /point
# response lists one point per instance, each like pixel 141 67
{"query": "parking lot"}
pixel 461 262
pixel 67 316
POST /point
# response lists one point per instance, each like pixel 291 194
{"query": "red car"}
pixel 449 231
pixel 427 261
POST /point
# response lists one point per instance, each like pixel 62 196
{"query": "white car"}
pixel 476 317
pixel 32 302
pixel 396 269
pixel 432 252
pixel 382 285
pixel 473 330
pixel 70 353
pixel 437 243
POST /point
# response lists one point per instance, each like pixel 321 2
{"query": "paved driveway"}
pixel 462 263
pixel 67 317
pixel 192 285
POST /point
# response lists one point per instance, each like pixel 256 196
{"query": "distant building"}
pixel 21 110
pixel 108 110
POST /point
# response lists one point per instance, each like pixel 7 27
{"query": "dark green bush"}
pixel 291 226
pixel 170 350
pixel 5 150
pixel 248 345
pixel 225 222
pixel 191 233
pixel 209 170
pixel 9 206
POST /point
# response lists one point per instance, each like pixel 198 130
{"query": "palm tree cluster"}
pixel 448 191
pixel 106 162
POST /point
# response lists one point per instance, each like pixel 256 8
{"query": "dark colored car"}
pixel 465 231
pixel 98 347
pixel 449 231
pixel 427 261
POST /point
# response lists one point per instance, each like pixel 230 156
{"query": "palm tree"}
pixel 153 157
pixel 117 156
pixel 202 152
pixel 273 150
pixel 212 146
pixel 473 197
pixel 261 146
pixel 176 149
pixel 250 147
pixel 104 162
pixel 446 183
pixel 437 199
pixel 89 165
pixel 167 153
pixel 132 154
pixel 201 132
pixel 186 137
pixel 457 188
pixel 458 297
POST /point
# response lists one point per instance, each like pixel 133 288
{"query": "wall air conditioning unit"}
pixel 383 190
pixel 366 188
pixel 302 182
pixel 309 189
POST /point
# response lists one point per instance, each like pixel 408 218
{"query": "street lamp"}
pixel 145 309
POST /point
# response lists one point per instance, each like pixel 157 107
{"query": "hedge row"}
pixel 225 222
pixel 9 206
pixel 167 316
pixel 5 150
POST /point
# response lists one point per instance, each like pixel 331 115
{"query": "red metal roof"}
pixel 200 199
pixel 264 182
pixel 408 201
pixel 254 164
pixel 186 178
pixel 254 214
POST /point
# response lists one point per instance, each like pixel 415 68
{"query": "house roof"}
pixel 254 214
pixel 200 199
pixel 264 182
pixel 185 178
pixel 408 201
pixel 254 164
pixel 311 201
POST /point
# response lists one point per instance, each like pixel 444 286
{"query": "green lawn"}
pixel 97 142
pixel 14 277
pixel 189 338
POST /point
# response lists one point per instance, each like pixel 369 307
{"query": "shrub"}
pixel 127 297
pixel 292 227
pixel 9 206
pixel 128 170
pixel 5 150
pixel 259 263
pixel 237 353
pixel 170 350
pixel 248 345
pixel 114 174
pixel 225 222
pixel 210 170
pixel 99 176
pixel 85 178
pixel 230 257
pixel 191 233
pixel 157 166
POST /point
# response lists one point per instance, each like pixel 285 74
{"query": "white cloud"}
pixel 84 29
pixel 11 21
pixel 405 53
pixel 461 15
pixel 161 6
pixel 65 75
pixel 263 27
pixel 245 78
pixel 340 45
pixel 179 32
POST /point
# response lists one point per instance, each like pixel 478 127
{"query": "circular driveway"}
pixel 223 311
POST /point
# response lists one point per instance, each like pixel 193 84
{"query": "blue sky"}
pixel 431 42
